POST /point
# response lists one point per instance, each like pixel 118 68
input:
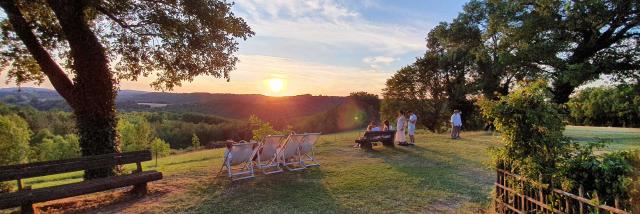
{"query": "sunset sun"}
pixel 275 84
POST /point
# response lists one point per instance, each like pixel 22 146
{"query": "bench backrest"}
pixel 370 134
pixel 29 170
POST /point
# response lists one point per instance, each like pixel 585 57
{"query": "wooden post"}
pixel 139 167
pixel 495 202
pixel 522 208
pixel 617 202
pixel 139 189
pixel 27 209
pixel 20 184
pixel 540 193
pixel 581 194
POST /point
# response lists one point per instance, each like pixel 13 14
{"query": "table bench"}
pixel 25 197
pixel 385 137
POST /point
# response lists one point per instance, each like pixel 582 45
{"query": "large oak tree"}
pixel 573 42
pixel 85 47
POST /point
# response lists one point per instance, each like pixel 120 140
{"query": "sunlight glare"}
pixel 276 85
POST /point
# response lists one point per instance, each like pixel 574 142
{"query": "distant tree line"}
pixel 606 106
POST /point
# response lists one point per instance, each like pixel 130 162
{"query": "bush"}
pixel 608 174
pixel 531 131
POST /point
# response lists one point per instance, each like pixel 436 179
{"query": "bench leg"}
pixel 366 145
pixel 27 209
pixel 139 189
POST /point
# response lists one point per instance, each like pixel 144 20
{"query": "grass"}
pixel 614 138
pixel 436 175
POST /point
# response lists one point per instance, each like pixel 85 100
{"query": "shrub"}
pixel 531 130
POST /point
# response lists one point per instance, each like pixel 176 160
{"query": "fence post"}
pixel 540 193
pixel 522 206
pixel 495 202
pixel 581 194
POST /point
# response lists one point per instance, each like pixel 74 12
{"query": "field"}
pixel 437 175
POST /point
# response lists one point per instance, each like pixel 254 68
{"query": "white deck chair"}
pixel 240 160
pixel 267 154
pixel 306 149
pixel 289 154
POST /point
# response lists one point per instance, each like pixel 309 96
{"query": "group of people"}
pixel 406 125
pixel 406 121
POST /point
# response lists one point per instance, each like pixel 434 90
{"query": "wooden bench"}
pixel 25 197
pixel 385 137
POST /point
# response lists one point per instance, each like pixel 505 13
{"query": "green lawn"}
pixel 614 138
pixel 437 175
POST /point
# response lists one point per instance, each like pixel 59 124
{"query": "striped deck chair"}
pixel 307 154
pixel 266 156
pixel 289 154
pixel 239 161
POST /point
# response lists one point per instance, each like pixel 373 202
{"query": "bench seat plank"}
pixel 13 199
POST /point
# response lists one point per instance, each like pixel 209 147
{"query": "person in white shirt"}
pixel 456 124
pixel 411 127
pixel 401 139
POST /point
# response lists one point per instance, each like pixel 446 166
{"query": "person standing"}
pixel 401 124
pixel 411 127
pixel 456 124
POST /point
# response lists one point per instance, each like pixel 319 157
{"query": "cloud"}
pixel 330 23
pixel 386 60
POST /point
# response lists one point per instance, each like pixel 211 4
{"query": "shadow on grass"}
pixel 287 192
pixel 445 171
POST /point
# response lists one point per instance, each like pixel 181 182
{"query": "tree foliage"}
pixel 57 148
pixel 195 142
pixel 84 48
pixel 572 42
pixel 14 140
pixel 606 106
pixel 135 133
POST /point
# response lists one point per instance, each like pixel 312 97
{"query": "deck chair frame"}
pixel 289 154
pixel 245 166
pixel 267 154
pixel 307 153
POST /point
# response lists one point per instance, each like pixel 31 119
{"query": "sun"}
pixel 276 85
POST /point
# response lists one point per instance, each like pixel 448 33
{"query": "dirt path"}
pixel 120 201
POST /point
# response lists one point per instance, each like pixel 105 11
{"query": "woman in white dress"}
pixel 401 124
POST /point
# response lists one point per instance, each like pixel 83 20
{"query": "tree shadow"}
pixel 286 192
pixel 448 172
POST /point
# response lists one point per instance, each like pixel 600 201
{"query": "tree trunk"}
pixel 561 91
pixel 94 93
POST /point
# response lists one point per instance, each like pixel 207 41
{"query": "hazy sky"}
pixel 328 47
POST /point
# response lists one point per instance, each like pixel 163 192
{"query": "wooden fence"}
pixel 517 194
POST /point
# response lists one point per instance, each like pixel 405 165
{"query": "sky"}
pixel 322 47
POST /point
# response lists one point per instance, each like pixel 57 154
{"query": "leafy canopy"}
pixel 176 40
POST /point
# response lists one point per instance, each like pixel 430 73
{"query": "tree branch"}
pixel 49 67
pixel 121 22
